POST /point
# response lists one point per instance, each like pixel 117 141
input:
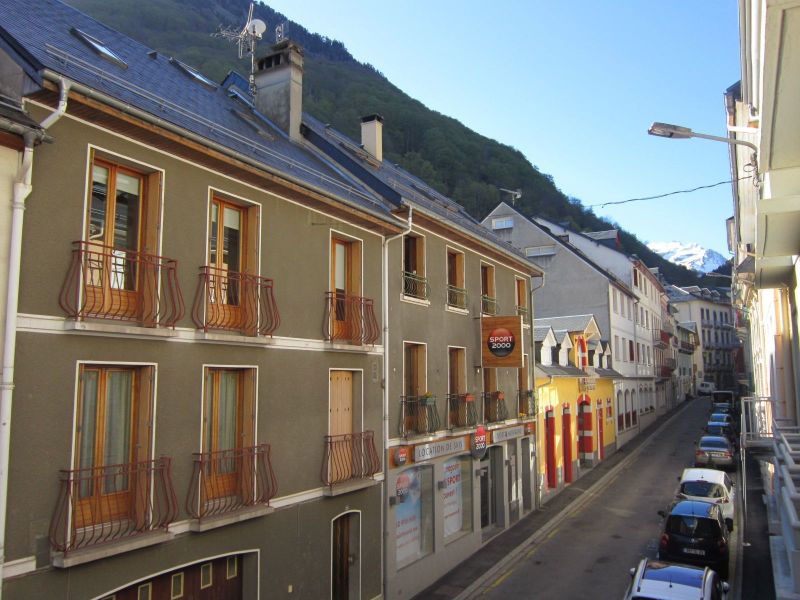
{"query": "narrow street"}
pixel 589 554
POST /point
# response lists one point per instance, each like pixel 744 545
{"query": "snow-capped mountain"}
pixel 690 255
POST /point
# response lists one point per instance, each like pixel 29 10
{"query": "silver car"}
pixel 714 451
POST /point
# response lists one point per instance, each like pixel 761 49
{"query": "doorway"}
pixel 526 460
pixel 513 484
pixel 566 430
pixel 346 557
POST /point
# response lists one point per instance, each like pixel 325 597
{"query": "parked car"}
pixel 705 388
pixel 695 533
pixel 714 451
pixel 664 581
pixel 710 485
pixel 718 417
pixel 722 407
pixel 722 396
pixel 723 429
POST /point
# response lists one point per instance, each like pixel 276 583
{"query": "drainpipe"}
pixel 385 317
pixel 22 189
pixel 536 491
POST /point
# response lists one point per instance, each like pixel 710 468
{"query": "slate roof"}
pixel 566 323
pixel 41 34
pixel 540 332
pixel 559 371
pixel 609 373
pixel 395 183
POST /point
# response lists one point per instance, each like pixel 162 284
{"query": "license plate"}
pixel 694 551
pixel 717 455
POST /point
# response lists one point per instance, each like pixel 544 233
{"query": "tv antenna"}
pixel 280 32
pixel 515 194
pixel 246 41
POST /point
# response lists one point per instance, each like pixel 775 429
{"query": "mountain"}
pixel 337 89
pixel 692 256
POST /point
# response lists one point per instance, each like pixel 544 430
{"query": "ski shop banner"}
pixel 501 342
pixel 408 515
pixel 451 494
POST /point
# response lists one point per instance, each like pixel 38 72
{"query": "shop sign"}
pixel 501 342
pixel 434 449
pixel 479 444
pixel 587 384
pixel 530 428
pixel 408 516
pixel 502 435
pixel 401 456
pixel 452 497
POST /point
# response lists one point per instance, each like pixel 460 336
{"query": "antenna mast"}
pixel 246 41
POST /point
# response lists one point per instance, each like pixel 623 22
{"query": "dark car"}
pixel 695 533
pixel 714 451
pixel 722 407
pixel 722 429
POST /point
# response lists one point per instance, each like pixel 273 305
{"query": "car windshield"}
pixel 704 489
pixel 719 418
pixel 715 443
pixel 717 428
pixel 692 526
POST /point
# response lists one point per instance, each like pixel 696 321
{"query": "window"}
pixel 99 47
pixel 457 495
pixel 145 591
pixel 345 286
pixel 231 567
pixel 413 515
pixel 631 351
pixel 228 419
pixel 488 298
pixel 457 370
pixel 113 425
pixel 206 575
pixel 456 292
pixel 194 74
pixel 503 223
pixel 176 586
pixel 616 346
pixel 415 284
pixel 522 299
pixel 534 251
pixel 615 296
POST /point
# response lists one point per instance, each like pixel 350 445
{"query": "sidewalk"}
pixel 507 543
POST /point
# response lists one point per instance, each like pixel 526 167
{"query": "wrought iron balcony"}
pixel 348 457
pixel 661 338
pixel 456 297
pixel 461 411
pixel 350 319
pixel 416 286
pixel 494 407
pixel 488 305
pixel 418 416
pixel 233 301
pixel 687 347
pixel 105 504
pixel 526 403
pixel 523 312
pixel 121 285
pixel 229 480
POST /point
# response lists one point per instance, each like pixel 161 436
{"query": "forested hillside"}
pixel 460 163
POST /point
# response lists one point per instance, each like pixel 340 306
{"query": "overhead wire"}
pixel 659 196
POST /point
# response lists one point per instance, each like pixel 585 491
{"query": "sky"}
pixel 574 85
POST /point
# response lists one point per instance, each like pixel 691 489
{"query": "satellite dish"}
pixel 256 28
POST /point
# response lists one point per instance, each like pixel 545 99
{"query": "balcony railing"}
pixel 494 407
pixel 488 305
pixel 661 338
pixel 348 457
pixel 523 312
pixel 230 480
pixel 418 416
pixel 350 318
pixel 456 297
pixel 687 347
pixel 461 411
pixel 233 301
pixel 526 403
pixel 121 285
pixel 98 505
pixel 415 286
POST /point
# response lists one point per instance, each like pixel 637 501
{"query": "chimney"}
pixel 279 86
pixel 372 135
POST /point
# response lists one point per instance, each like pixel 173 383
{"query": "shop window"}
pixel 413 515
pixel 457 496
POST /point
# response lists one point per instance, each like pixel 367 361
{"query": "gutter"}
pixel 22 189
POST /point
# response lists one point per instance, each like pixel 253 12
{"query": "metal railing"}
pixel 418 416
pixel 233 301
pixel 526 403
pixel 349 456
pixel 350 318
pixel 456 297
pixel 488 305
pixel 229 480
pixel 121 285
pixel 494 407
pixel 461 411
pixel 98 505
pixel 416 286
pixel 523 312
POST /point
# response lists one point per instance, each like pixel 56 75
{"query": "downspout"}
pixel 385 317
pixel 537 501
pixel 22 189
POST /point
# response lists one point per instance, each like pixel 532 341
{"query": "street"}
pixel 590 552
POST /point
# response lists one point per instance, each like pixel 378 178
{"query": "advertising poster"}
pixel 451 495
pixel 501 342
pixel 408 517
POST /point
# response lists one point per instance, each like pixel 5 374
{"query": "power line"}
pixel 702 187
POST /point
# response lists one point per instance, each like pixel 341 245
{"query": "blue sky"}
pixel 574 86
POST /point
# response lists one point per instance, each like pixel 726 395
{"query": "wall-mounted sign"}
pixel 434 449
pixel 587 384
pixel 478 443
pixel 502 435
pixel 501 342
pixel 401 456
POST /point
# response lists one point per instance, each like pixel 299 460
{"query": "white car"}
pixel 705 388
pixel 665 581
pixel 710 485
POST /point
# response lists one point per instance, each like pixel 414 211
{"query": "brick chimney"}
pixel 372 135
pixel 279 86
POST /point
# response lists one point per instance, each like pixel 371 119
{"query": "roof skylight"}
pixel 194 74
pixel 99 47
